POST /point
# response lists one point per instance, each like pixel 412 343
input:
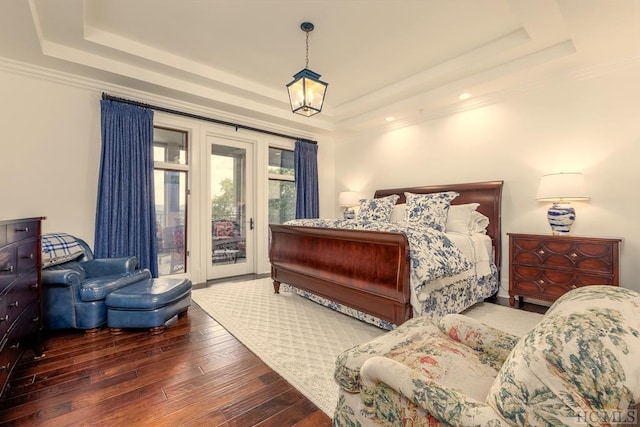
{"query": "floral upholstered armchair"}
pixel 579 366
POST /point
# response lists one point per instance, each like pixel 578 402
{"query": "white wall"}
pixel 50 158
pixel 49 153
pixel 589 125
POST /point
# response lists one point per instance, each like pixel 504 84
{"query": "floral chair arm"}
pixel 444 403
pixel 494 344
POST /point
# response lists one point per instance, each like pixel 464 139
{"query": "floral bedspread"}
pixel 433 255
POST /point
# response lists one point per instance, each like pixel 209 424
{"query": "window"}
pixel 170 178
pixel 282 187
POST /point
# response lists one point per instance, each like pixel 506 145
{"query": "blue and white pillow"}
pixel 429 210
pixel 58 248
pixel 377 209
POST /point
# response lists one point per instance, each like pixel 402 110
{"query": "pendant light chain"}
pixel 307 63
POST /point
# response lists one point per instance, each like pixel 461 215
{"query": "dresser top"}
pixel 564 237
pixel 12 221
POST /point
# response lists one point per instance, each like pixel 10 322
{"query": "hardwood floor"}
pixel 195 373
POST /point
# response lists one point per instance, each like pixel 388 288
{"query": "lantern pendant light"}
pixel 306 91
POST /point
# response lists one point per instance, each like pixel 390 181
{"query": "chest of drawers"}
pixel 20 292
pixel 545 267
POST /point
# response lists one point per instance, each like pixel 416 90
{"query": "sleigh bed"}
pixel 368 273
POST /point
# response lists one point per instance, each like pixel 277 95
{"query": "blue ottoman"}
pixel 148 304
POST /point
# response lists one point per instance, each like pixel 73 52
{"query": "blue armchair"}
pixel 75 284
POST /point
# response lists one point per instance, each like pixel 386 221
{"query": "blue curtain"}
pixel 125 214
pixel 306 176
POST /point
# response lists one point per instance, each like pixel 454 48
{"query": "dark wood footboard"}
pixel 366 270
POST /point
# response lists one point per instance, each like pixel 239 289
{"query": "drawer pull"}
pixel 5 318
pixel 16 345
pixel 14 304
pixel 7 269
pixel 541 252
pixel 541 282
pixel 34 286
pixel 22 230
pixel 574 287
pixel 36 319
pixel 573 255
pixel 30 256
pixel 3 367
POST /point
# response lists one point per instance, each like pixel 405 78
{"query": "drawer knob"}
pixel 573 286
pixel 541 252
pixel 7 269
pixel 5 318
pixel 36 319
pixel 22 230
pixel 541 282
pixel 573 255
pixel 16 345
pixel 30 256
pixel 34 286
pixel 3 367
pixel 14 304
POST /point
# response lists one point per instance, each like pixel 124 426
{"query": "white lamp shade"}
pixel 348 198
pixel 562 187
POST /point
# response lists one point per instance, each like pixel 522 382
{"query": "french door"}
pixel 231 202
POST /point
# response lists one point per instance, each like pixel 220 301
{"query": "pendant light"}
pixel 306 91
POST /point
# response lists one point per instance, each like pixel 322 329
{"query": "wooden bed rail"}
pixel 374 265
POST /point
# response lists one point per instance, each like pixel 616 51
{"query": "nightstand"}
pixel 544 267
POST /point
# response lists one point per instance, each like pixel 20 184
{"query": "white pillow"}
pixel 398 212
pixel 459 218
pixel 478 223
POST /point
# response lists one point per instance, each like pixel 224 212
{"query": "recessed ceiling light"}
pixel 390 118
pixel 464 96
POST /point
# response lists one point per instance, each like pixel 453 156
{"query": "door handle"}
pixel 250 223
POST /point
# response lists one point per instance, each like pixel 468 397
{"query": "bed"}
pixel 368 273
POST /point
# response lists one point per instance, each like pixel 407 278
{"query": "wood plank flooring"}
pixel 195 373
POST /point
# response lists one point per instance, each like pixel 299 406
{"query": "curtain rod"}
pixel 105 96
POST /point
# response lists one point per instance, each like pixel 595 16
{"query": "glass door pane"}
pixel 171 198
pixel 231 220
pixel 170 179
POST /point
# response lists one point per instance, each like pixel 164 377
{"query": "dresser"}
pixel 20 292
pixel 544 267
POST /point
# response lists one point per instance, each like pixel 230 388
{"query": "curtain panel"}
pixel 125 213
pixel 306 176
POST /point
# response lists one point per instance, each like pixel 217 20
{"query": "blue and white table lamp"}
pixel 561 189
pixel 348 200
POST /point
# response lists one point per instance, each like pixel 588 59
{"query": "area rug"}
pixel 300 339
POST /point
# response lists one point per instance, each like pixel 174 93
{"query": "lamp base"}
pixel 561 217
pixel 349 213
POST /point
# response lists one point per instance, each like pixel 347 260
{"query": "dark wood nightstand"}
pixel 544 267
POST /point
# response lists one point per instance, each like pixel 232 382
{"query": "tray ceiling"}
pixel 402 58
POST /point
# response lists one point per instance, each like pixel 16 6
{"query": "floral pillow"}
pixel 377 209
pixel 429 210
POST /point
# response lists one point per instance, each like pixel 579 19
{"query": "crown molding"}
pixel 98 86
pixel 603 69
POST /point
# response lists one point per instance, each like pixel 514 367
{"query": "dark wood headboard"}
pixel 488 194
